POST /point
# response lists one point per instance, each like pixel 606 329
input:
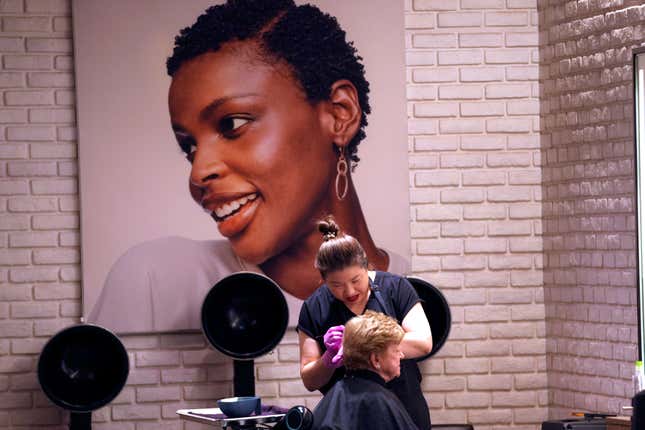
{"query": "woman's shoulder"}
pixel 316 309
pixel 150 278
pixel 399 290
pixel 181 253
pixel 387 280
pixel 315 312
pixel 322 295
pixel 177 247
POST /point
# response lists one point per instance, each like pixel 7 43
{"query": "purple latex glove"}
pixel 333 339
pixel 337 361
pixel 333 361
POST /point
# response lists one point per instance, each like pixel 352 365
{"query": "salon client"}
pixel 350 290
pixel 372 356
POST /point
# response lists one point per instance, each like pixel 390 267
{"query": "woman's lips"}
pixel 353 298
pixel 235 215
pixel 229 208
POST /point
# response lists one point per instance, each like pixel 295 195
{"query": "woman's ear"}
pixel 374 360
pixel 343 112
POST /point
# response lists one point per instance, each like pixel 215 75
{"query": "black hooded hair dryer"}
pixel 244 316
pixel 81 369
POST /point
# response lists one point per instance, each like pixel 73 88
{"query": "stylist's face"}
pixel 350 285
pixel 390 361
pixel 261 160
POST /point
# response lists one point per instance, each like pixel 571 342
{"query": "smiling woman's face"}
pixel 262 162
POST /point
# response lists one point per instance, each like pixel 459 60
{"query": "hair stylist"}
pixel 350 290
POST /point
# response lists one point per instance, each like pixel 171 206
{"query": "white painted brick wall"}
pixel 586 103
pixel 480 240
pixel 475 169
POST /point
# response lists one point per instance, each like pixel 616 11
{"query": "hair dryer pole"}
pixel 243 378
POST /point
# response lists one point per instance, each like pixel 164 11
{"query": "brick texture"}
pixel 521 212
pixel 481 62
pixel 586 128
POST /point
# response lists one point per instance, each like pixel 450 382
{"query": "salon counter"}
pixel 619 423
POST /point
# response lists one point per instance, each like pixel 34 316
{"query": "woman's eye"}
pixel 187 146
pixel 231 124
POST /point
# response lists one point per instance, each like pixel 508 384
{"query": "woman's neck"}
pixel 293 269
pixel 368 373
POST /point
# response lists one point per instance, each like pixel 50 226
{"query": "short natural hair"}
pixel 309 41
pixel 371 332
pixel 338 251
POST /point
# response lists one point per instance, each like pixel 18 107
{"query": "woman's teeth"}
pixel 229 208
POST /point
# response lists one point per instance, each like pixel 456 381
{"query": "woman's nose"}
pixel 349 290
pixel 207 165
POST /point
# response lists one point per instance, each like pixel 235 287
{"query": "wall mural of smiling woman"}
pixel 267 100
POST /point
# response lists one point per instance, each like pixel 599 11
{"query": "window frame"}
pixel 638 66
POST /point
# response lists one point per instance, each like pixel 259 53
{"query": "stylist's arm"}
pixel 314 368
pixel 313 375
pixel 417 340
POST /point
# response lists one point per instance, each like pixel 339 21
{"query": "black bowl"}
pixel 236 407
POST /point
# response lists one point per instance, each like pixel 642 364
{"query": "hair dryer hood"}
pixel 245 315
pixel 83 368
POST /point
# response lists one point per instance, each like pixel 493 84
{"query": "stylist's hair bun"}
pixel 328 228
pixel 338 250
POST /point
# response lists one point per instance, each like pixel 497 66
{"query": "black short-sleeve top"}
pixel 322 310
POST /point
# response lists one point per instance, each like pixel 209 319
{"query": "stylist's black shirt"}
pixel 322 311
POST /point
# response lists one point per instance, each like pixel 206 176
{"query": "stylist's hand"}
pixel 333 339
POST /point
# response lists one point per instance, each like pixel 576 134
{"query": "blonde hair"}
pixel 369 333
pixel 338 250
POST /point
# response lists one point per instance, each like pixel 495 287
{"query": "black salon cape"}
pixel 360 401
pixel 322 311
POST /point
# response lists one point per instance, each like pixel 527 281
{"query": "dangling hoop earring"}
pixel 341 175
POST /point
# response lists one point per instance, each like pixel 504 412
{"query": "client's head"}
pixel 372 341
